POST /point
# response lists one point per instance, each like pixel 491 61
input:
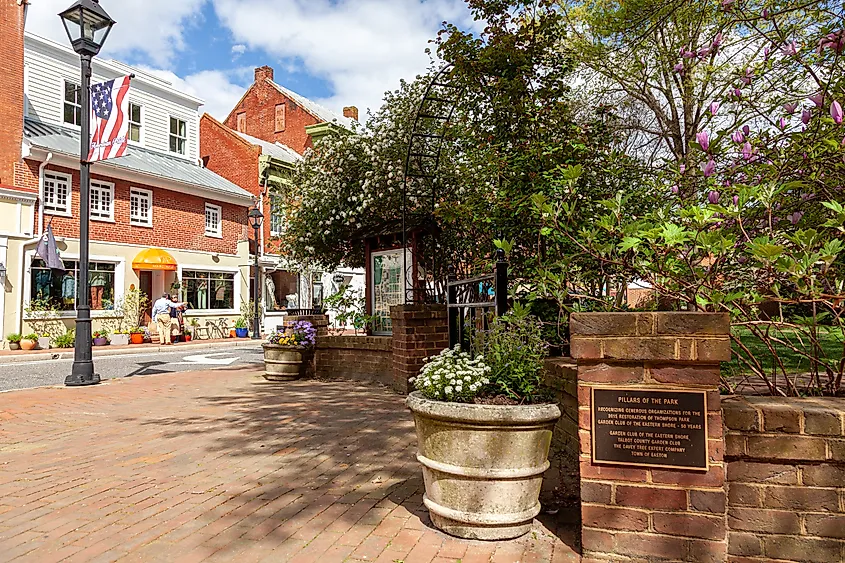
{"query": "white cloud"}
pixel 361 47
pixel 213 86
pixel 238 49
pixel 153 28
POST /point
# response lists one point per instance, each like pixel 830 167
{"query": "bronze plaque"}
pixel 650 428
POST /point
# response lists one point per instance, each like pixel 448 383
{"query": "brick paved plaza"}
pixel 222 466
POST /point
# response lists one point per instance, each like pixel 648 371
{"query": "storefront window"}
pixel 59 288
pixel 209 290
pixel 282 290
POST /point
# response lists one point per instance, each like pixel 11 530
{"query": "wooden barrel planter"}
pixel 285 363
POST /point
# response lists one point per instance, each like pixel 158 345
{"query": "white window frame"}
pixel 239 287
pixel 97 185
pixel 217 233
pixel 275 232
pixel 143 193
pixel 66 210
pixel 65 102
pixel 141 140
pixel 171 135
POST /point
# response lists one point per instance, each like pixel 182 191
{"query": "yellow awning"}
pixel 154 259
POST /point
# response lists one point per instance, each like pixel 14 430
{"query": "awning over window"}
pixel 154 259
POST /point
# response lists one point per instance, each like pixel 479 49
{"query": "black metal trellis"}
pixel 471 302
pixel 425 147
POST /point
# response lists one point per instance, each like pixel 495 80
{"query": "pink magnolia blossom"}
pixel 817 99
pixel 676 190
pixel 682 168
pixel 713 196
pixel 738 93
pixel 747 151
pixel 727 5
pixel 790 107
pixel 746 129
pixel 679 68
pixel 782 123
pixel 765 13
pixel 836 112
pixel 749 74
pixel 736 200
pixel 766 52
pixel 709 168
pixel 688 54
pixel 737 137
pixel 703 140
pixel 795 217
pixel 703 52
pixel 714 108
pixel 834 41
pixel 790 48
pixel 805 116
pixel 716 41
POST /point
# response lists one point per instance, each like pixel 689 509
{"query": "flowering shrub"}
pixel 452 375
pixel 301 334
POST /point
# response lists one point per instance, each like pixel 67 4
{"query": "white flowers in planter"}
pixel 452 375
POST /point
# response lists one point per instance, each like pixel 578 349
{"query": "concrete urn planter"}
pixel 483 465
pixel 120 340
pixel 285 363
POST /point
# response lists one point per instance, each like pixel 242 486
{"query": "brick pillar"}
pixel 643 512
pixel 320 322
pixel 419 331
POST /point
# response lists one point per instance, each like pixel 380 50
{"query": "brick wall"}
pixel 561 482
pixel 360 358
pixel 419 331
pixel 652 514
pixel 259 105
pixel 178 218
pixel 785 479
pixel 11 88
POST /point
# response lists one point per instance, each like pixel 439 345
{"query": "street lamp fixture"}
pixel 256 218
pixel 87 25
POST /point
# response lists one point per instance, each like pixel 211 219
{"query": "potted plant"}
pixel 120 338
pixel 101 338
pixel 186 334
pixel 287 352
pixel 241 330
pixel 14 341
pixel 44 341
pixel 136 335
pixel 484 428
pixel 29 342
pixel 66 340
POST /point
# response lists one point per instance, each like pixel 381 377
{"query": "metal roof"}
pixel 276 150
pixel 56 138
pixel 314 108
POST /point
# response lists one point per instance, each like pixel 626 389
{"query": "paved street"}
pixel 222 466
pixel 25 375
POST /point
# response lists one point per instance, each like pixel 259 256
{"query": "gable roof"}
pixel 276 150
pixel 323 114
pixel 63 140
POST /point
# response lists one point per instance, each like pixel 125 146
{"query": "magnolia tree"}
pixel 753 212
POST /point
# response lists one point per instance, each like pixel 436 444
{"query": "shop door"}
pixel 146 287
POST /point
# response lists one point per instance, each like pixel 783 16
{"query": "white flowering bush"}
pixel 453 376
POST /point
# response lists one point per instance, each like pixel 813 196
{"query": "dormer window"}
pixel 72 104
pixel 178 136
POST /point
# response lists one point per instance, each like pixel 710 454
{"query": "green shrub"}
pixel 66 340
pixel 14 338
pixel 31 336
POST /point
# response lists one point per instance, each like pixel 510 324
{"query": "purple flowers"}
pixel 682 168
pixel 736 200
pixel 703 140
pixel 836 112
pixel 782 123
pixel 817 99
pixel 834 41
pixel 749 74
pixel 738 93
pixel 746 129
pixel 713 196
pixel 805 116
pixel 790 48
pixel 790 107
pixel 303 334
pixel 714 108
pixel 795 217
pixel 676 190
pixel 679 68
pixel 709 168
pixel 716 41
pixel 737 137
pixel 747 151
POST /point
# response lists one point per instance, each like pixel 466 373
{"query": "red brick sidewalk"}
pixel 220 466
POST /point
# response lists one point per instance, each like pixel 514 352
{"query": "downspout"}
pixel 41 168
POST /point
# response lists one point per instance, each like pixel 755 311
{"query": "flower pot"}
pixel 28 344
pixel 136 338
pixel 187 338
pixel 120 340
pixel 101 342
pixel 241 332
pixel 285 363
pixel 14 345
pixel 232 333
pixel 483 465
pixel 44 343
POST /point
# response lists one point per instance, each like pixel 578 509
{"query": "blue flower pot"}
pixel 242 332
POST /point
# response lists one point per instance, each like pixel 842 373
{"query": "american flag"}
pixel 109 119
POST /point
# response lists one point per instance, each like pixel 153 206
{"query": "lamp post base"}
pixel 82 377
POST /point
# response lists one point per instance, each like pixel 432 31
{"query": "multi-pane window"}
pixel 72 104
pixel 56 193
pixel 213 220
pixel 280 117
pixel 242 122
pixel 102 201
pixel 59 288
pixel 209 290
pixel 141 207
pixel 134 122
pixel 277 217
pixel 178 136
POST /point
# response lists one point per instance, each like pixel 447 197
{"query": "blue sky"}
pixel 337 52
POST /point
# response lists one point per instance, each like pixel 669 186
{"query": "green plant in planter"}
pixel 66 340
pixel 14 338
pixel 101 334
pixel 31 336
pixel 241 323
pixel 136 330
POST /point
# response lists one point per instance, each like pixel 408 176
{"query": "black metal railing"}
pixel 473 302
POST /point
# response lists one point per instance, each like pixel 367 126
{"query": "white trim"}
pixel 68 210
pixel 215 233
pixel 4 259
pixel 149 195
pixel 14 195
pixel 236 289
pixel 64 82
pixel 27 109
pixel 97 185
pixel 171 134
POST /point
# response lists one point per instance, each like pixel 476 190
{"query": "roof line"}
pixel 226 129
pixel 248 90
pixel 287 93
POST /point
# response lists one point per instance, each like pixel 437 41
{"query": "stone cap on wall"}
pixel 662 336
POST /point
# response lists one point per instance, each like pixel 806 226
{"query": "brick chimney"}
pixel 262 73
pixel 351 112
pixel 11 87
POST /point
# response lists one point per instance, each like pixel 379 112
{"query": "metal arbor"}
pixel 425 147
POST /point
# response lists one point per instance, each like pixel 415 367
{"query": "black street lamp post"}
pixel 255 220
pixel 87 26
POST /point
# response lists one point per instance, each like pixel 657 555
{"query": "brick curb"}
pixel 127 351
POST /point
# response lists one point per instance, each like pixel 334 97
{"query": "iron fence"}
pixel 473 302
